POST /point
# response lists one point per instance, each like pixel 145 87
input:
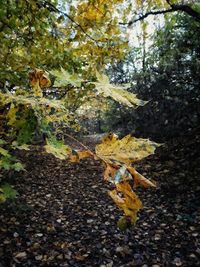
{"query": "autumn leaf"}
pixel 118 93
pixel 39 79
pixel 126 150
pixel 139 179
pixel 64 78
pixel 110 172
pixel 128 202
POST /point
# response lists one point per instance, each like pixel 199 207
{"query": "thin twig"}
pixel 53 8
pixel 87 148
pixel 80 143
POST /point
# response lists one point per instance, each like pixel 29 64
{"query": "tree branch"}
pixel 188 10
pixel 53 8
pixel 182 8
pixel 142 17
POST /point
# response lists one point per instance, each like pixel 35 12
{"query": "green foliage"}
pixel 64 78
pixel 7 192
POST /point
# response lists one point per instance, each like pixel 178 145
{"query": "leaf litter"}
pixel 64 217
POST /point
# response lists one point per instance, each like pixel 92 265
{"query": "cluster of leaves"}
pixel 82 37
pixel 77 35
pixel 118 155
pixel 27 115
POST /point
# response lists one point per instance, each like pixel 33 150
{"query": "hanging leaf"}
pixel 125 151
pixel 64 78
pixel 128 202
pixel 140 180
pixel 118 93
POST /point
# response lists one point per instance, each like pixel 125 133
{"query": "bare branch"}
pixel 142 17
pixel 182 8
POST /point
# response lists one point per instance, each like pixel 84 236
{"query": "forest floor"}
pixel 64 217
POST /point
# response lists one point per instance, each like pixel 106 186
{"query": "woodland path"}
pixel 64 217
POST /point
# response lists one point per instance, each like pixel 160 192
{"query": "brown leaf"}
pixel 78 155
pixel 110 172
pixel 139 179
pixel 128 202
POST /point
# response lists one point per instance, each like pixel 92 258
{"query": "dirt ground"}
pixel 64 217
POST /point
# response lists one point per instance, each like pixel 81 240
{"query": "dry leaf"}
pixel 139 179
pixel 126 150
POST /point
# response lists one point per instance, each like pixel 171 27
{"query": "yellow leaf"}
pixel 139 179
pixel 125 151
pixel 118 93
pixel 110 137
pixel 11 115
pixel 128 202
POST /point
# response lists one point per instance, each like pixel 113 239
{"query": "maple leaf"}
pixel 57 148
pixel 116 174
pixel 118 93
pixel 126 150
pixel 64 78
pixel 128 202
pixel 110 172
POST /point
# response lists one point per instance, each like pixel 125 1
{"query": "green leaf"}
pixel 2 196
pixel 64 78
pixel 5 163
pixel 8 192
pixel 57 148
pixel 2 142
pixel 4 152
pixel 15 145
pixel 18 167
